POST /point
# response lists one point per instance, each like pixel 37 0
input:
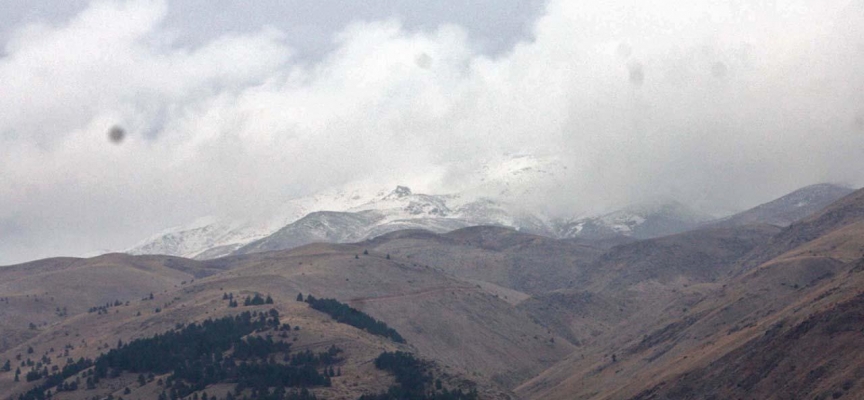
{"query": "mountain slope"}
pixel 698 256
pixel 790 208
pixel 844 212
pixel 523 262
pixel 45 292
pixel 449 320
pixel 475 338
pixel 786 328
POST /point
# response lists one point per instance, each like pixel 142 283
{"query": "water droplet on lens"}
pixel 116 134
pixel 719 69
pixel 624 50
pixel 423 60
pixel 637 73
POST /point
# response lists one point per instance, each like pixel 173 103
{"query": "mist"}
pixel 718 104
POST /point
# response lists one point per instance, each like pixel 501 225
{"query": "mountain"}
pixel 398 210
pixel 775 315
pixel 493 194
pixel 640 221
pixel 211 237
pixel 208 237
pixel 790 208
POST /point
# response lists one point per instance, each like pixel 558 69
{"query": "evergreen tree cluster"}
pixel 347 315
pixel 412 381
pixel 103 309
pixel 230 297
pixel 257 300
pixel 197 355
pixel 58 380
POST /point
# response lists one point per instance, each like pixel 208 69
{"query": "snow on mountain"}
pixel 397 210
pixel 641 221
pixel 503 192
pixel 488 196
pixel 203 234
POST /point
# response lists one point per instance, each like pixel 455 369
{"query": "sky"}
pixel 228 109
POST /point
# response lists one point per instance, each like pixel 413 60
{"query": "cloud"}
pixel 719 104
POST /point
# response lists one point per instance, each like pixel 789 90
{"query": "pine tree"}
pixel 299 296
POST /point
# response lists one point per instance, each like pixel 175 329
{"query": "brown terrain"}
pixel 750 311
pixel 785 324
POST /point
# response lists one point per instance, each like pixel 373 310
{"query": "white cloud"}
pixel 737 102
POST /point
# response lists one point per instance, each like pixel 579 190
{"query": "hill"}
pixel 784 328
pixel 790 208
pixel 470 335
pixel 523 262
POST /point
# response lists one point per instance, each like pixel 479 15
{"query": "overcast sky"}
pixel 235 106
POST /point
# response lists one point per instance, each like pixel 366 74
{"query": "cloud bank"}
pixel 720 104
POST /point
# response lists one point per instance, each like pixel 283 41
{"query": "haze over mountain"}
pixel 346 218
pixel 790 208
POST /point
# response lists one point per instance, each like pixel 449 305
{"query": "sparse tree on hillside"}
pixel 299 296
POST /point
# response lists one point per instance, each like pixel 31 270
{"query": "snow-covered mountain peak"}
pixel 398 193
